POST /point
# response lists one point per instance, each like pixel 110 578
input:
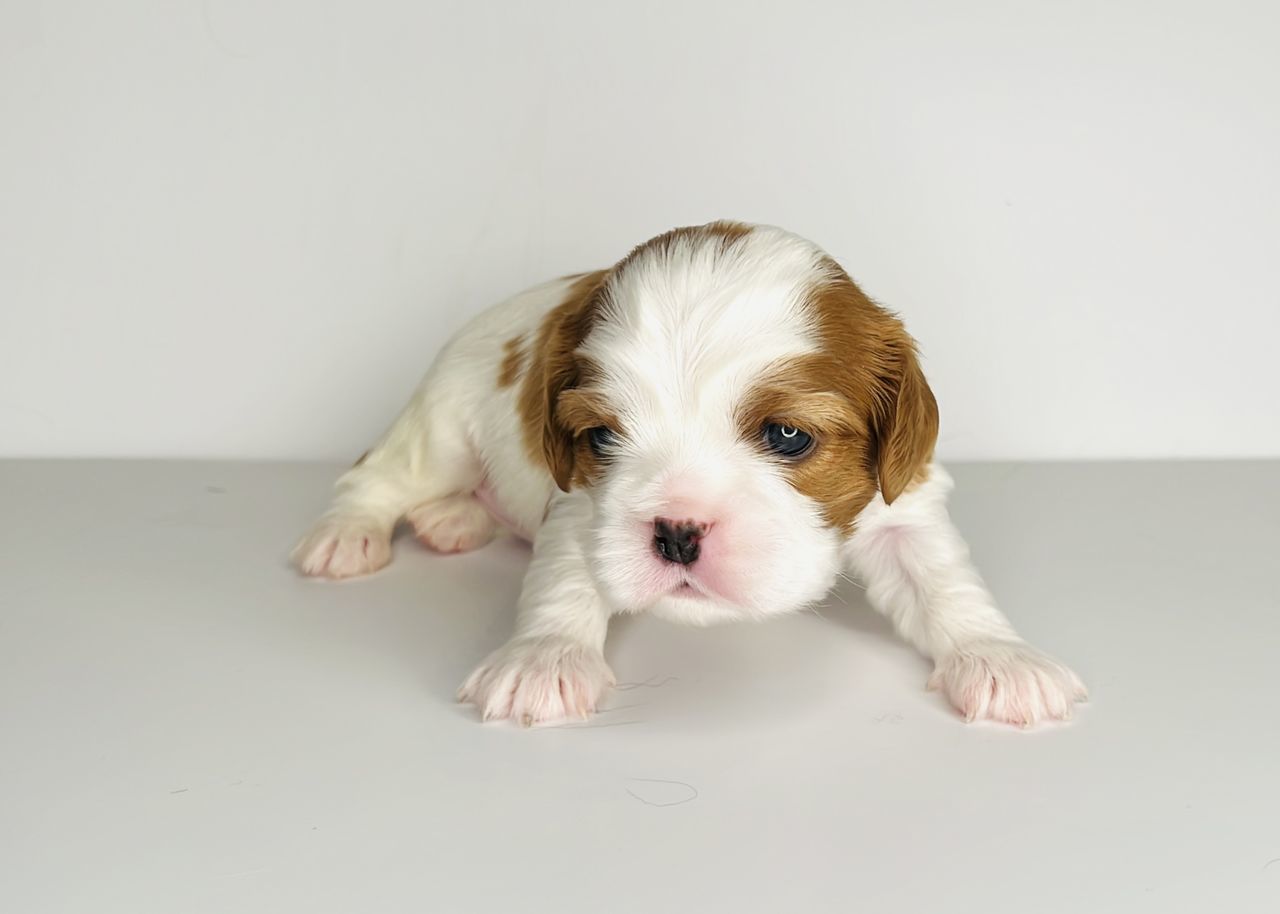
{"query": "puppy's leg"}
pixel 423 459
pixel 553 667
pixel 917 571
pixel 458 523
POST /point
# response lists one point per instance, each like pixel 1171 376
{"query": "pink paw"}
pixel 339 547
pixel 538 680
pixel 456 524
pixel 1007 681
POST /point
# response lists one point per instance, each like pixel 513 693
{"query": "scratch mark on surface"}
pixel 249 872
pixel 647 684
pixel 183 790
pixel 693 792
pixel 1270 863
pixel 618 723
pixel 619 708
pixel 589 726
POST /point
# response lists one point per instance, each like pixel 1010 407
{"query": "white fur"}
pixel 686 334
pixel 918 573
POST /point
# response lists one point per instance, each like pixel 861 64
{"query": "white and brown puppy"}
pixel 712 429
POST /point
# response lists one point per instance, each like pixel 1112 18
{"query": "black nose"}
pixel 677 541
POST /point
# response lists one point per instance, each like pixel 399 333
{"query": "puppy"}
pixel 710 430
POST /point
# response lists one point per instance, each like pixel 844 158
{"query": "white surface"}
pixel 234 228
pixel 190 727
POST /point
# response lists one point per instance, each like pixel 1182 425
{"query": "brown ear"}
pixel 557 441
pixel 908 431
pixel 555 369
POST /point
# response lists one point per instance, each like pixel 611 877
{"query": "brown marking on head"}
pixel 862 397
pixel 512 361
pixel 724 231
pixel 553 368
pixel 799 393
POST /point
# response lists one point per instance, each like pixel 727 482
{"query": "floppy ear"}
pixel 559 370
pixel 557 441
pixel 907 432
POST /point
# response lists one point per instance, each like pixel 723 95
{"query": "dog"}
pixel 713 429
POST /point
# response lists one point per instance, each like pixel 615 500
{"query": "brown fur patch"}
pixel 835 473
pixel 879 431
pixel 512 361
pixel 725 231
pixel 552 369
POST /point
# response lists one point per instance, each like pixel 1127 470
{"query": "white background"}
pixel 243 228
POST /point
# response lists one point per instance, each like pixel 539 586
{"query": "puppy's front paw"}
pixel 538 680
pixel 338 547
pixel 1007 681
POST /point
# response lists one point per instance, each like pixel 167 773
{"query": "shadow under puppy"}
pixel 712 429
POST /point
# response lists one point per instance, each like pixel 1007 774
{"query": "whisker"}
pixel 851 581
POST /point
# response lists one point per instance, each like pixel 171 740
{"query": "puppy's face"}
pixel 729 401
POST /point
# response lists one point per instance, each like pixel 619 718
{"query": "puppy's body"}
pixel 709 430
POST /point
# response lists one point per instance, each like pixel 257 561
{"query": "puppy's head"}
pixel 729 401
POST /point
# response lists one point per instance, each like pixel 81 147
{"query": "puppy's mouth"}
pixel 690 590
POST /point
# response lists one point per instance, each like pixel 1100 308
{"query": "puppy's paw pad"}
pixel 1007 681
pixel 457 524
pixel 538 680
pixel 341 548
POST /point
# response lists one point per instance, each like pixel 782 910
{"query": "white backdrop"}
pixel 242 227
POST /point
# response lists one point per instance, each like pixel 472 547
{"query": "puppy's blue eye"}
pixel 600 439
pixel 786 440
